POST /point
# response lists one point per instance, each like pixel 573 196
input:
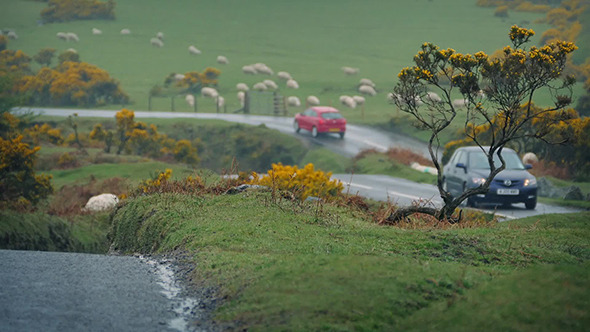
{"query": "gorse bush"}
pixel 302 183
pixel 70 10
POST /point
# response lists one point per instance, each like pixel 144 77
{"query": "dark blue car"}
pixel 468 168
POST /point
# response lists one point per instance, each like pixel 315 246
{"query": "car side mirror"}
pixel 463 166
pixel 528 166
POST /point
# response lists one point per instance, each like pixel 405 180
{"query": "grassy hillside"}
pixel 296 267
pixel 310 40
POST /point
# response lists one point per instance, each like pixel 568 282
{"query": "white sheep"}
pixel 312 101
pixel 366 81
pixel 220 101
pixel 530 158
pixel 160 36
pixel 242 87
pixel 250 70
pixel 350 70
pixel 209 92
pixel 101 202
pixel 125 32
pixel 190 100
pixel 367 90
pixel 12 35
pixel 261 68
pixel 72 36
pixel 72 50
pixel 433 97
pixel 178 77
pixel 193 50
pixel 259 87
pixel 241 97
pixel 96 31
pixel 347 101
pixel 359 100
pixel 270 84
pixel 222 60
pixel 293 101
pixel 156 42
pixel 62 36
pixel 459 103
pixel 284 75
pixel 292 84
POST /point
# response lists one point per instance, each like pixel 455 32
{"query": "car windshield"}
pixel 480 161
pixel 331 115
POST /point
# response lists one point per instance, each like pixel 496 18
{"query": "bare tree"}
pixel 496 94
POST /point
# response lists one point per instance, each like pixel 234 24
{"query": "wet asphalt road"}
pixel 51 291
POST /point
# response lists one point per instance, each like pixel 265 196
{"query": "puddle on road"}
pixel 184 307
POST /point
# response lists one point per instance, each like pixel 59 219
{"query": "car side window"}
pixel 312 113
pixel 307 112
pixel 462 158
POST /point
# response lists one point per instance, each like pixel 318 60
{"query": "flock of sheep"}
pixel 365 87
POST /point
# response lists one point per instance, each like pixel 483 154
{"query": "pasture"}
pixel 309 39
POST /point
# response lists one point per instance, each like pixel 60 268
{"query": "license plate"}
pixel 335 129
pixel 508 192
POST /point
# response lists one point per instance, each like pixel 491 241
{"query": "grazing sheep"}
pixel 96 31
pixel 242 87
pixel 220 101
pixel 366 81
pixel 190 100
pixel 347 101
pixel 270 84
pixel 209 92
pixel 250 70
pixel 530 158
pixel 241 97
pixel 433 97
pixel 178 77
pixel 367 90
pixel 293 101
pixel 12 35
pixel 160 36
pixel 261 68
pixel 193 50
pixel 72 36
pixel 156 42
pixel 350 70
pixel 101 203
pixel 222 60
pixel 284 75
pixel 62 36
pixel 359 100
pixel 459 103
pixel 73 50
pixel 292 84
pixel 312 101
pixel 259 87
pixel 125 32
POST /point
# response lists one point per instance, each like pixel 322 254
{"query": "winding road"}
pixel 358 138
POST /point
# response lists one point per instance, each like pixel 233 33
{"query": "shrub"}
pixel 302 183
pixel 70 10
pixel 501 11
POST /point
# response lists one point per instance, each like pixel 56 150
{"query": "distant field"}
pixel 311 40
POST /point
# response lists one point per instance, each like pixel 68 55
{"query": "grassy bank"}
pixel 287 266
pixel 40 231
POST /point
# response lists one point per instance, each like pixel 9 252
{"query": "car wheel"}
pixel 341 135
pixel 314 131
pixel 296 126
pixel 531 204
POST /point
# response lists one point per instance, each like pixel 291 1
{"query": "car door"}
pixel 307 119
pixel 456 174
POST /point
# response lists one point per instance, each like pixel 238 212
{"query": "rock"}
pixel 101 202
pixel 546 188
pixel 574 193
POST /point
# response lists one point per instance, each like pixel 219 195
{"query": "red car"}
pixel 320 119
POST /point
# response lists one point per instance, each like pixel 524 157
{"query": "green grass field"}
pixel 310 40
pixel 291 267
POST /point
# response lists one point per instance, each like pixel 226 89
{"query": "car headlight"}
pixel 530 182
pixel 478 181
